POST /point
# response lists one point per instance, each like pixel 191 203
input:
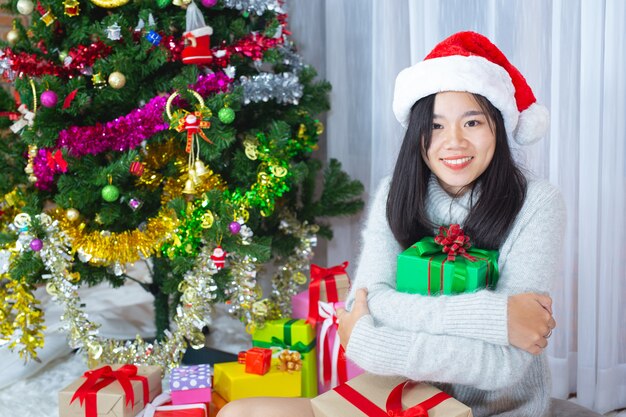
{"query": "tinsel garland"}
pixel 117 249
pixel 78 59
pixel 198 294
pixel 122 134
pixel 285 88
pixel 255 6
pixel 21 318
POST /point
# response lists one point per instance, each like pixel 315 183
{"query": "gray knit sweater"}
pixel 460 342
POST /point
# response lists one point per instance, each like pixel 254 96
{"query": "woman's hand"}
pixel 530 321
pixel 347 320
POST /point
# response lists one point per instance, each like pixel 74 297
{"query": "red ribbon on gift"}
pixel 394 402
pixel 454 242
pixel 333 365
pixel 319 275
pixel 99 378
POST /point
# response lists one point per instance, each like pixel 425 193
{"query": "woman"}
pixel 460 106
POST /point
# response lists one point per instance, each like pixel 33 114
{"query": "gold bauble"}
pixel 117 80
pixel 13 36
pixel 72 214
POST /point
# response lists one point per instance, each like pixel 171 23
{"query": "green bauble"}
pixel 226 115
pixel 110 193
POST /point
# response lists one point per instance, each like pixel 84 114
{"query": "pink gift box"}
pixel 300 305
pixel 191 384
pixel 352 369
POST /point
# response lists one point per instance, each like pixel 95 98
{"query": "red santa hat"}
pixel 468 61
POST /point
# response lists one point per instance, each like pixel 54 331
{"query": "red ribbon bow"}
pixel 319 275
pixel 55 161
pixel 454 242
pixel 100 378
pixel 394 402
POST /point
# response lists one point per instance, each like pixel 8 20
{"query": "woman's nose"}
pixel 454 137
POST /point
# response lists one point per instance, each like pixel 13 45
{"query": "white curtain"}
pixel 573 54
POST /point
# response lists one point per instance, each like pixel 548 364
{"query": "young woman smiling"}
pixel 461 106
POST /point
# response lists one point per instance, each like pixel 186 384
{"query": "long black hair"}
pixel 502 185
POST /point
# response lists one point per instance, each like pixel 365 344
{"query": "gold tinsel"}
pixel 21 319
pixel 129 246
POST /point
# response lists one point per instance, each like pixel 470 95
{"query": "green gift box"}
pixel 424 269
pixel 295 335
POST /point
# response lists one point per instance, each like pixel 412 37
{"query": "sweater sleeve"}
pixel 440 358
pixel 480 315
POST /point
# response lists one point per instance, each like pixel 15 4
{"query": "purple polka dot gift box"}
pixel 191 384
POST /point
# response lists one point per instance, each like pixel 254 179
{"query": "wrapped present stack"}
pixel 446 264
pixel 328 290
pixel 120 391
pixel 375 396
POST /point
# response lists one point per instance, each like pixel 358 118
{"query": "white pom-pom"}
pixel 533 124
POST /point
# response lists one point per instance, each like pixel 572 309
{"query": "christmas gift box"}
pixel 232 382
pixel 162 406
pixel 111 391
pixel 446 264
pixel 379 396
pixel 293 335
pixel 191 384
pixel 334 367
pixel 256 360
pixel 327 284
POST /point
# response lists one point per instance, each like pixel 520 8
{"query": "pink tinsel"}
pixel 121 134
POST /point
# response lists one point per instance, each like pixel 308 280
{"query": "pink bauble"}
pixel 36 245
pixel 209 3
pixel 49 98
pixel 234 228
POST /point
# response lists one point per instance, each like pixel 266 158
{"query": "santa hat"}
pixel 468 61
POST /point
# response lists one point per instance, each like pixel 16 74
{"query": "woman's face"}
pixel 462 143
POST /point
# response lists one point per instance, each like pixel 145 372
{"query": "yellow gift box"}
pixel 231 382
pixel 293 335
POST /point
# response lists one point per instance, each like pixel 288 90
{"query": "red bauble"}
pixel 136 168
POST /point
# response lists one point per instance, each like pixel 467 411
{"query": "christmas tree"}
pixel 167 132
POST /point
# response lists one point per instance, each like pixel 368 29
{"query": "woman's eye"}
pixel 472 123
pixel 437 126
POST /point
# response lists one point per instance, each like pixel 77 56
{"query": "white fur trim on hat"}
pixel 533 124
pixel 472 74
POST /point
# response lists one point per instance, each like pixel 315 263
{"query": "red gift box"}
pixel 258 360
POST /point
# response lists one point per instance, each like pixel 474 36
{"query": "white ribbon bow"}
pixel 26 119
pixel 328 312
pixel 159 400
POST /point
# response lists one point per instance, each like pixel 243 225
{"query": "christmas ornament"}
pixel 136 168
pixel 97 80
pixel 135 204
pixel 289 361
pixel 109 4
pixel 209 3
pixel 13 36
pixel 72 8
pixel 113 32
pixel 117 80
pixel 36 245
pixel 48 17
pixel 49 98
pixel 72 214
pixel 226 115
pixel 154 38
pixel 163 3
pixel 193 123
pixel 25 7
pixel 219 257
pixel 234 227
pixel 197 38
pixel 181 3
pixel 110 193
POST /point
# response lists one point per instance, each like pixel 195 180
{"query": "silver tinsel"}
pixel 255 6
pixel 291 58
pixel 285 88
